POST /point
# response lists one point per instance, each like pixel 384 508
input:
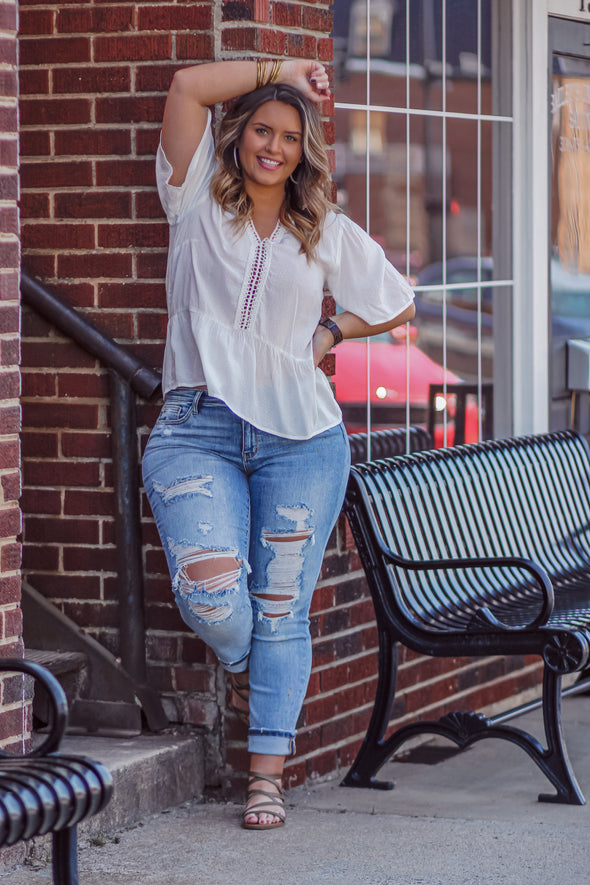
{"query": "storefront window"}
pixel 418 119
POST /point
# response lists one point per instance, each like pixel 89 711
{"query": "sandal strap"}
pixel 265 808
pixel 259 776
pixel 270 803
pixel 270 797
pixel 244 683
pixel 241 690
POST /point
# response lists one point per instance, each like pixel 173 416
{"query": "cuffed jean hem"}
pixel 240 666
pixel 270 743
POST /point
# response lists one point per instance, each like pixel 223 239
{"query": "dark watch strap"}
pixel 334 329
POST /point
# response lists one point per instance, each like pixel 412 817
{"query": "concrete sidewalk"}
pixel 471 818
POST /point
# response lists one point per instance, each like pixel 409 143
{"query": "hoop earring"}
pixel 236 161
pixel 294 180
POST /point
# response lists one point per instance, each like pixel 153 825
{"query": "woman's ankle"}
pixel 272 766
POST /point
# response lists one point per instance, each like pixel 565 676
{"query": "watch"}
pixel 334 329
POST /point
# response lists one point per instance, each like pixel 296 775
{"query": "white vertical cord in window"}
pixel 408 210
pixel 368 202
pixel 23 743
pixel 479 223
pixel 444 212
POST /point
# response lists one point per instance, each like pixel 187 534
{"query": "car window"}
pixel 459 270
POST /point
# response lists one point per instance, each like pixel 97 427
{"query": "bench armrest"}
pixel 484 615
pixel 57 702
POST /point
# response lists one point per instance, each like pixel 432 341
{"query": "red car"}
pixel 399 371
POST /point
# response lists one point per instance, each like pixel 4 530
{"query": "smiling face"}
pixel 271 146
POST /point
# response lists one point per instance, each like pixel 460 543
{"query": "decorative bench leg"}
pixel 465 729
pixel 65 857
pixel 557 766
pixel 370 757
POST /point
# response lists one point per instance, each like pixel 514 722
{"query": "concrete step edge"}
pixel 150 773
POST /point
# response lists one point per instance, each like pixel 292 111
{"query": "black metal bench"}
pixel 44 791
pixel 472 551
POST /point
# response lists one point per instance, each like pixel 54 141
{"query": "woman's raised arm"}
pixel 197 87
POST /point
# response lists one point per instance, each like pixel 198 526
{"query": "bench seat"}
pixel 478 550
pixel 44 791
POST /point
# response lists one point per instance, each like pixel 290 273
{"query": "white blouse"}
pixel 243 311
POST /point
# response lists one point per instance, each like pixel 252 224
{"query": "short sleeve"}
pixel 177 201
pixel 358 274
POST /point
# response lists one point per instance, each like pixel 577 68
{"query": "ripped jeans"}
pixel 245 517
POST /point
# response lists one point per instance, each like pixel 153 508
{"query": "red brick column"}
pixel 10 519
pixel 13 719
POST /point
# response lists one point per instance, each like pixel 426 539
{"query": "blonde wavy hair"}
pixel 306 195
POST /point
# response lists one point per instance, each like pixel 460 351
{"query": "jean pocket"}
pixel 177 407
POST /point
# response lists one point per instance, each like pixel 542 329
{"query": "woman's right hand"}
pixel 309 77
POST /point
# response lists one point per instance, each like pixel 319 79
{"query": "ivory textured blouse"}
pixel 242 311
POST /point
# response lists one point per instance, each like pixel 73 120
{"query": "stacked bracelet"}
pixel 334 329
pixel 276 69
pixel 261 68
pixel 260 72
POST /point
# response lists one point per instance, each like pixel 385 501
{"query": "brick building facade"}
pixel 93 80
pixel 12 715
pixel 10 518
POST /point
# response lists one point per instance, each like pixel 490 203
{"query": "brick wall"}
pixel 10 518
pixel 14 715
pixel 93 84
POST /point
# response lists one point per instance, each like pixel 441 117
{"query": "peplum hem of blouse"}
pixel 266 386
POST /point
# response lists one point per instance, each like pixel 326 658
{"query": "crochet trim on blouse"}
pixel 255 275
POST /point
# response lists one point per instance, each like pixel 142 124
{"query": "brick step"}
pixel 86 711
pixel 109 701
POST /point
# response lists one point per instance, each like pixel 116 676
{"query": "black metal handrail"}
pixel 129 375
pixel 140 377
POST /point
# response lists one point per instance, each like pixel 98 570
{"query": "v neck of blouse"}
pixel 269 239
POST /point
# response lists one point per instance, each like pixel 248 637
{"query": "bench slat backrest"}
pixel 388 443
pixel 527 497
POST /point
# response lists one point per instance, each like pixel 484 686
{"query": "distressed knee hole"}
pixel 285 538
pixel 211 571
pixel 284 571
pixel 281 607
pixel 204 574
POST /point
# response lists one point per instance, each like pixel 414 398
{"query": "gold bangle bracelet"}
pixel 261 71
pixel 261 64
pixel 276 69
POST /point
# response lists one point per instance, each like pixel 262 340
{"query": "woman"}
pixel 247 465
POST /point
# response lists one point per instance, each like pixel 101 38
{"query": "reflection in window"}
pixel 570 229
pixel 571 164
pixel 380 19
pixel 358 132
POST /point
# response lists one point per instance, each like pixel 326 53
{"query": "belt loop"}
pixel 199 394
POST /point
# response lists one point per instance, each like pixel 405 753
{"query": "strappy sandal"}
pixel 270 803
pixel 242 692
